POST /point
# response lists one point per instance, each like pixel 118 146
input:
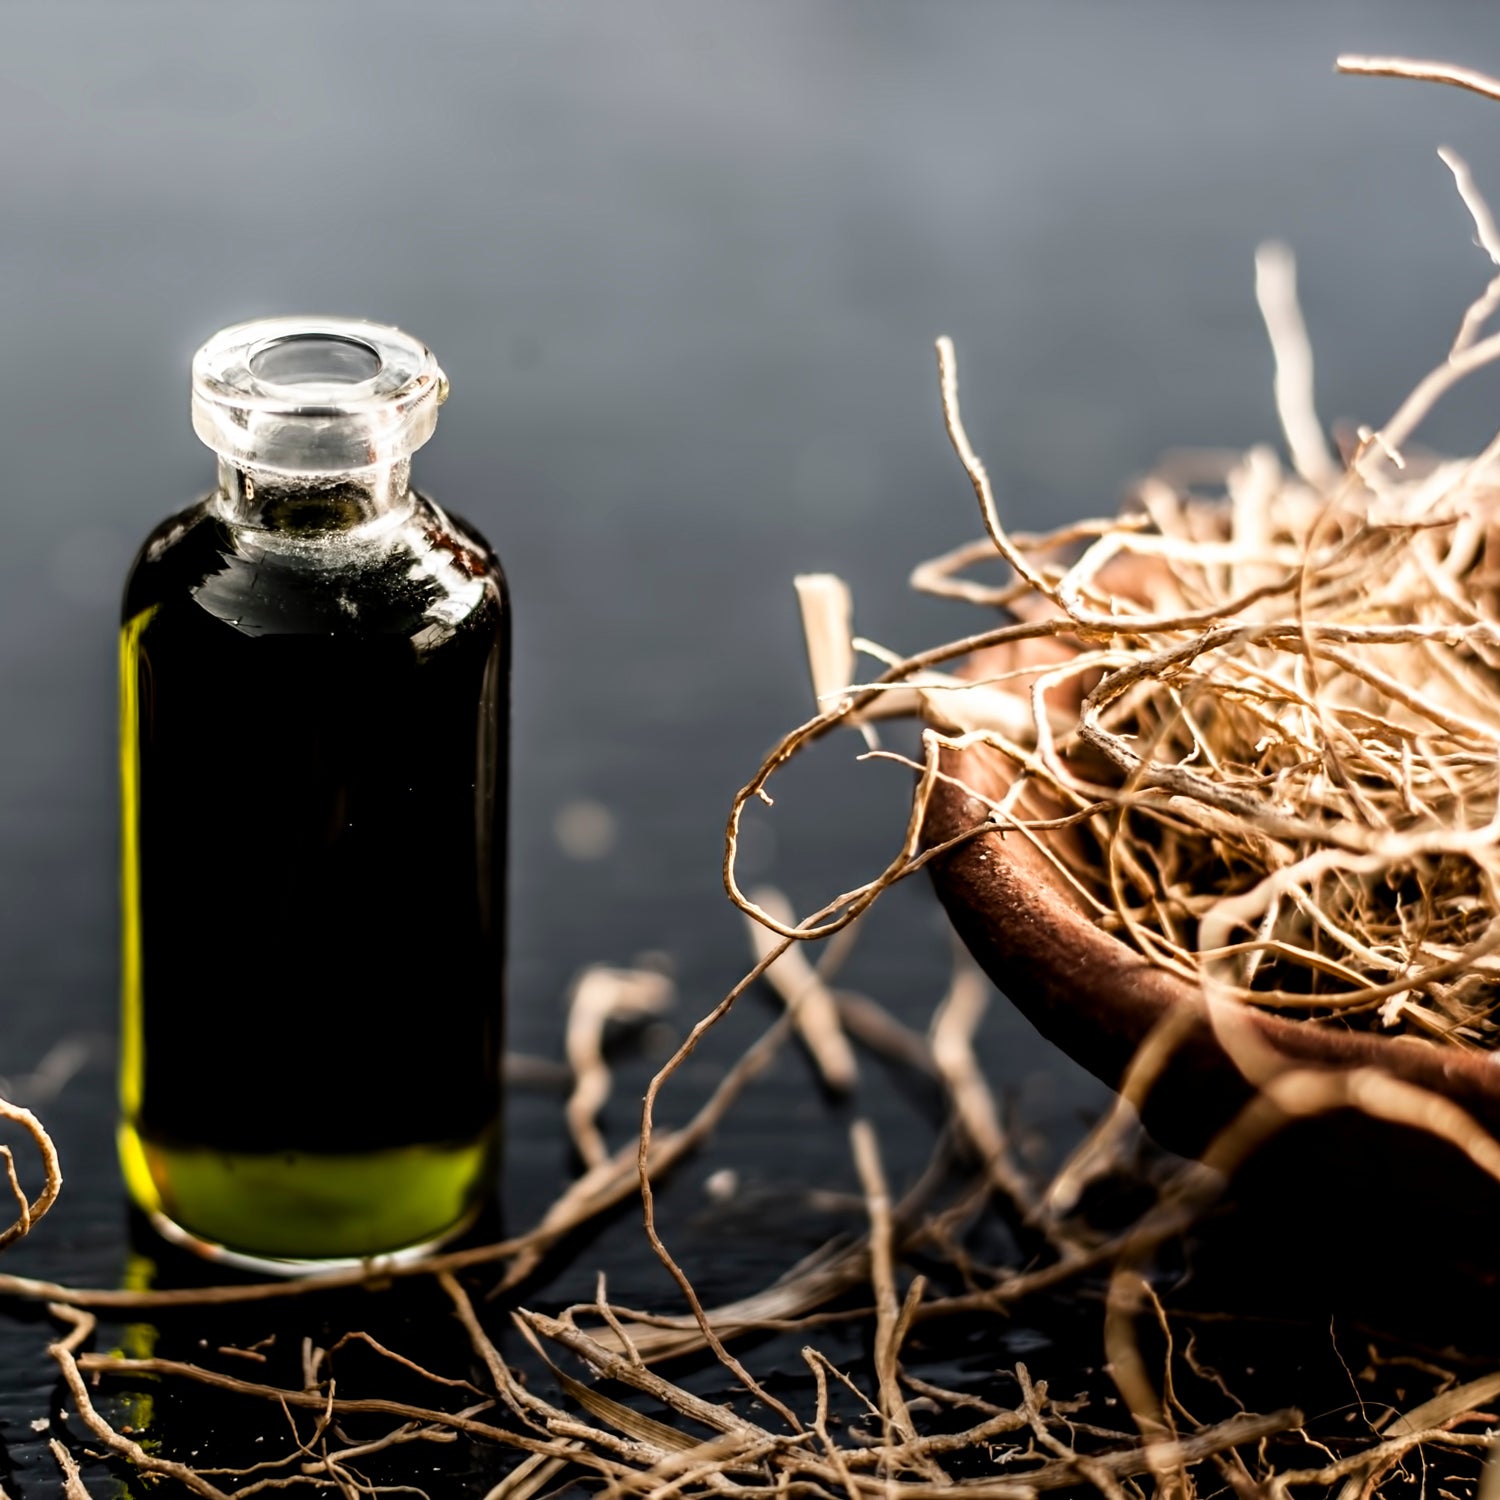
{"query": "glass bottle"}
pixel 315 672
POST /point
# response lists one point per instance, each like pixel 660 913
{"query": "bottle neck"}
pixel 313 504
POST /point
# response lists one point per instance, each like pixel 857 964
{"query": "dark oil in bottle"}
pixel 313 744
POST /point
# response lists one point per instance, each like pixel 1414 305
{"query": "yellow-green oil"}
pixel 305 1205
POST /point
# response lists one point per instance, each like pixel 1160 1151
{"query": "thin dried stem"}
pixel 29 1211
pixel 1420 71
pixel 1276 291
pixel 810 1003
pixel 954 1025
pixel 867 1162
pixel 73 1485
pixel 601 995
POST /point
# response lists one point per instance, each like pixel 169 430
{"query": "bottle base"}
pixel 291 1212
pixel 293 1267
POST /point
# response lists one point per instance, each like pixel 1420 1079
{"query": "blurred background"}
pixel 684 264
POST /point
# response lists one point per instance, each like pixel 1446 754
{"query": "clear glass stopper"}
pixel 315 395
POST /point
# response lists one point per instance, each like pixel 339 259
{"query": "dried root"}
pixel 29 1211
pixel 1255 727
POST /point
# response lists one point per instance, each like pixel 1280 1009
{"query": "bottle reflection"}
pixel 209 1397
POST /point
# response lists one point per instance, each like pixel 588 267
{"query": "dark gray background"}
pixel 683 263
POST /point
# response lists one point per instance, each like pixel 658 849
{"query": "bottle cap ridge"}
pixel 315 395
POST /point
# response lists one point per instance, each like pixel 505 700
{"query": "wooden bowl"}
pixel 1385 1187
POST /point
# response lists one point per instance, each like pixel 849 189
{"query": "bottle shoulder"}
pixel 425 577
